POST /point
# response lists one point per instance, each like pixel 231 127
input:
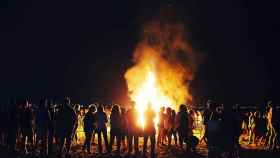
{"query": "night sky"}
pixel 82 49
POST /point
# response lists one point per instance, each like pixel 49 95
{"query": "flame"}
pixel 161 71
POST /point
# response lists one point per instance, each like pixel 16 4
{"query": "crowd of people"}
pixel 261 127
pixel 51 128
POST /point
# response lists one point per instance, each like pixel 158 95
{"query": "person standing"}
pixel 149 130
pixel 182 124
pixel 270 126
pixel 51 125
pixel 42 118
pixel 89 123
pixel 66 123
pixel 26 118
pixel 251 127
pixel 161 126
pixel 133 129
pixel 169 125
pixel 116 124
pixel 101 119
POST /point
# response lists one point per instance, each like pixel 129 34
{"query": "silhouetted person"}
pixel 124 127
pixel 230 132
pixel 89 123
pixel 161 126
pixel 101 119
pixel 169 125
pixel 116 125
pixel 214 129
pixel 271 126
pixel 206 116
pixel 133 128
pixel 42 118
pixel 182 124
pixel 65 125
pixel 77 109
pixel 251 127
pixel 149 129
pixel 26 118
pixel 13 125
pixel 174 129
pixel 51 125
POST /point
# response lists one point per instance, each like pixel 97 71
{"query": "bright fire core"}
pixel 150 93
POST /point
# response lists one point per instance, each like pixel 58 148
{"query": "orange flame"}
pixel 161 72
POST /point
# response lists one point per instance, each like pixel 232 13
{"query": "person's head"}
pixel 182 107
pixel 100 108
pixel 67 101
pixel 269 103
pixel 92 108
pixel 209 103
pixel 173 112
pixel 116 109
pixel 168 110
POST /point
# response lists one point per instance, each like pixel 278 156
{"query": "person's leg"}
pixel 273 137
pixel 61 140
pixel 105 137
pixel 44 143
pixel 270 135
pixel 93 136
pixel 181 139
pixel 30 139
pixel 169 138
pixel 68 143
pixel 112 139
pixel 153 142
pixel 175 137
pixel 12 139
pixel 130 143
pixel 50 140
pixel 99 141
pixel 88 135
pixel 145 144
pixel 136 141
pixel 119 138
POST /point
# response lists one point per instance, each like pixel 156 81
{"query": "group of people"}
pixel 261 127
pixel 126 129
pixel 26 128
pixel 51 128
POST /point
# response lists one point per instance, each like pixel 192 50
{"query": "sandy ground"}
pixel 247 151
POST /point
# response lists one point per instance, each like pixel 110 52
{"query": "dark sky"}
pixel 82 48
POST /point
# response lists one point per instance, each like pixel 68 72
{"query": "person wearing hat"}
pixel 89 122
